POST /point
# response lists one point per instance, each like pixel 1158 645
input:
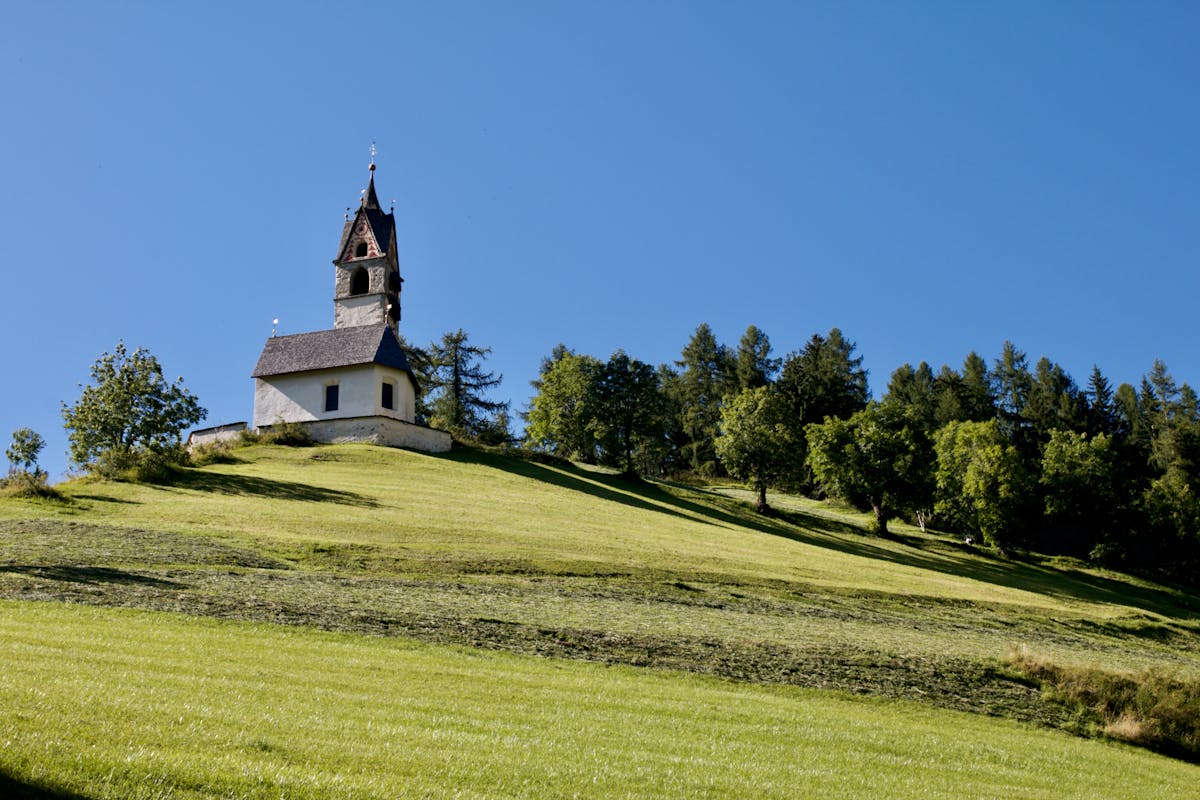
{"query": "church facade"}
pixel 352 382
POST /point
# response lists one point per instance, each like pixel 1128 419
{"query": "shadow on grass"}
pixel 99 498
pixel 614 488
pixel 15 789
pixel 221 483
pixel 821 531
pixel 77 574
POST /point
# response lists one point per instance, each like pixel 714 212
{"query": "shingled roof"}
pixel 340 347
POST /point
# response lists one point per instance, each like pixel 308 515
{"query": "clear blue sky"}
pixel 931 177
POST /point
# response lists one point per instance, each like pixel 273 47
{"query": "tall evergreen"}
pixel 1011 383
pixel 978 398
pixel 916 391
pixel 754 365
pixel 1054 402
pixel 629 410
pixel 1101 411
pixel 824 379
pixel 457 376
pixel 707 373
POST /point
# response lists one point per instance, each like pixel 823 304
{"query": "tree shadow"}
pixel 99 498
pixel 845 537
pixel 223 483
pixel 16 789
pixel 94 575
pixel 614 488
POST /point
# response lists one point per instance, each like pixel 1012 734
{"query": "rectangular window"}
pixel 388 401
pixel 331 397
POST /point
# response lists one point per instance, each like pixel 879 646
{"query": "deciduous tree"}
pixel 982 484
pixel 129 411
pixel 878 455
pixel 756 443
pixel 22 455
pixel 563 414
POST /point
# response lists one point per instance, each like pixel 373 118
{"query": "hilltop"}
pixel 493 552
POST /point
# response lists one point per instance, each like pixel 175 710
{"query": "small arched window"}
pixel 360 281
pixel 361 250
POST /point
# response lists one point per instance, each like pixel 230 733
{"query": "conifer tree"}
pixel 755 366
pixel 707 374
pixel 456 374
pixel 629 405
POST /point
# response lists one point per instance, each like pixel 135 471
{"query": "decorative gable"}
pixel 361 242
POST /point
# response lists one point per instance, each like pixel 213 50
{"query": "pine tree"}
pixel 708 373
pixel 1101 413
pixel 456 374
pixel 755 367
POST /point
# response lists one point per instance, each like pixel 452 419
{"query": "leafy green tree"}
pixel 878 455
pixel 129 412
pixel 754 365
pixel 630 410
pixel 756 443
pixel 1080 484
pixel 981 481
pixel 707 374
pixel 23 453
pixel 456 374
pixel 562 415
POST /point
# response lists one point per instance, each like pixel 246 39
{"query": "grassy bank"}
pixel 107 703
pixel 500 554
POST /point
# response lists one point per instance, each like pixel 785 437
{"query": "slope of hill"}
pixel 496 552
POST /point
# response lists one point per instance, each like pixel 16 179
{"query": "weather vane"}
pixel 372 154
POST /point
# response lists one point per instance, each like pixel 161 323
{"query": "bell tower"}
pixel 366 276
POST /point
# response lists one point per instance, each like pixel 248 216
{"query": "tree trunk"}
pixel 880 517
pixel 761 507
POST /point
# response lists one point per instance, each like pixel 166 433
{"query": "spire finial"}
pixel 372 167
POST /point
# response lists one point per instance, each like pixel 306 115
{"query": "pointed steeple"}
pixel 370 199
pixel 367 280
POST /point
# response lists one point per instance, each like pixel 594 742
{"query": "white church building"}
pixel 352 382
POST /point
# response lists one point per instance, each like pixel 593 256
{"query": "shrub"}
pixel 287 434
pixel 1152 709
pixel 219 452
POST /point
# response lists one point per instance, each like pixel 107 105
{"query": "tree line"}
pixel 1012 455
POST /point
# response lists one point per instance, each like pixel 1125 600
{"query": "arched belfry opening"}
pixel 360 282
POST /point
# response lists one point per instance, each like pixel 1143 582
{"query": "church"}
pixel 353 382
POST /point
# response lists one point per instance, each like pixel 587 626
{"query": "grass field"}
pixel 474 553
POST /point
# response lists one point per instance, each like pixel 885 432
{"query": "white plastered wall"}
pixel 300 397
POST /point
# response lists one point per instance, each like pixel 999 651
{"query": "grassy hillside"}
pixel 497 553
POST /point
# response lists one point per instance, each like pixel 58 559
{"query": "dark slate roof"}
pixel 382 225
pixel 372 199
pixel 340 347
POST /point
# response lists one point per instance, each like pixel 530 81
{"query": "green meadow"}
pixel 353 621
